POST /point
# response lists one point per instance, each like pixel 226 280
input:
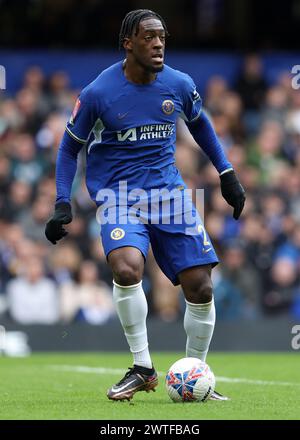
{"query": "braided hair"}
pixel 131 22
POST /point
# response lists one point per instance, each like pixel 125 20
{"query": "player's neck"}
pixel 137 74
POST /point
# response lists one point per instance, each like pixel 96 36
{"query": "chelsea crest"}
pixel 168 106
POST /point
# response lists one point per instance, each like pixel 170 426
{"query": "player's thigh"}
pixel 178 247
pixel 126 247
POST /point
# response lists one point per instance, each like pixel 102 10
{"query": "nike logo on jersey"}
pixel 122 115
pixel 206 250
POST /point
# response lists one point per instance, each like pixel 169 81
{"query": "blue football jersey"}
pixel 129 130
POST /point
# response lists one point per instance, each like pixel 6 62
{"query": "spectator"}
pixel 27 166
pixel 17 201
pixel 30 109
pixel 5 166
pixel 65 262
pixel 227 297
pixel 237 270
pixel 34 79
pixel 58 91
pixel 33 221
pixel 251 86
pixel 216 90
pixel 266 152
pixel 283 286
pixel 89 300
pixel 32 297
pixel 165 300
pixel 276 105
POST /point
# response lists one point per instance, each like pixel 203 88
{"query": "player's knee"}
pixel 127 275
pixel 127 265
pixel 205 293
pixel 199 291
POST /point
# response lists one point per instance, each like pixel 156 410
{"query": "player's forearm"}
pixel 66 166
pixel 205 135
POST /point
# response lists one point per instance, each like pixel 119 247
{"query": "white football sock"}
pixel 132 308
pixel 199 323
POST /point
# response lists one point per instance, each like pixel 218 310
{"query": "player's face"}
pixel 148 46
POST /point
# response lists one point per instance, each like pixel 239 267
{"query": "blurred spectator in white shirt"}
pixel 32 297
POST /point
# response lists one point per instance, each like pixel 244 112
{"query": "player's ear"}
pixel 127 44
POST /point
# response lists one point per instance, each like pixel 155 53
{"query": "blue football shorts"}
pixel 177 243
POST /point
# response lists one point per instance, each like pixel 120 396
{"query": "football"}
pixel 190 380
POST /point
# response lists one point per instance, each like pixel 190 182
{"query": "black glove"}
pixel 62 216
pixel 233 192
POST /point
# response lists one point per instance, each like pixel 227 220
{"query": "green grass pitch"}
pixel 73 386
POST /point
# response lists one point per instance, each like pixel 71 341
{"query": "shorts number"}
pixel 205 241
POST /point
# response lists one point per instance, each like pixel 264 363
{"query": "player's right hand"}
pixel 54 230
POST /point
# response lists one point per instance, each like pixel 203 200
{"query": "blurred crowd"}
pixel 259 126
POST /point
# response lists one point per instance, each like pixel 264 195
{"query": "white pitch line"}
pixel 89 370
pixel 255 382
pixel 117 371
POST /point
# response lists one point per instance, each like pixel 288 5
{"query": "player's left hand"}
pixel 233 192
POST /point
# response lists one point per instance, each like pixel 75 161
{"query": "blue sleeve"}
pixel 191 100
pixel 83 117
pixel 205 135
pixel 66 166
pixel 77 132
